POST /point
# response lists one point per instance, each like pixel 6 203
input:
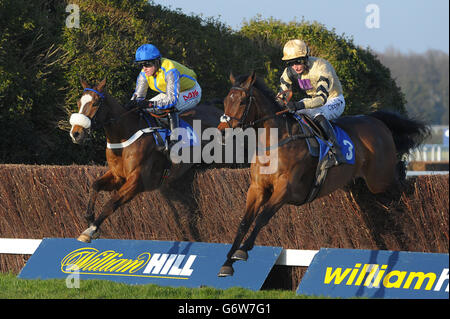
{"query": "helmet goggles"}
pixel 301 60
pixel 146 64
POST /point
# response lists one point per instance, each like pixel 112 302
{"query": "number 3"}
pixel 349 154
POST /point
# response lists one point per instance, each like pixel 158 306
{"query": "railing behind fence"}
pixel 430 153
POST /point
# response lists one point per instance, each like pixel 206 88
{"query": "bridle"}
pixel 226 118
pixel 86 122
pixel 95 123
pixel 241 121
pixel 83 120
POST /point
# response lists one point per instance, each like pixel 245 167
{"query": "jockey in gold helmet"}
pixel 317 78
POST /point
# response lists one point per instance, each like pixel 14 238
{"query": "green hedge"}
pixel 41 62
pixel 367 84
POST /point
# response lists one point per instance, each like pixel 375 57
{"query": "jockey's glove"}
pixel 144 104
pixel 141 104
pixel 295 106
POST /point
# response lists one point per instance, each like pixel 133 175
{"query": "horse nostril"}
pixel 76 135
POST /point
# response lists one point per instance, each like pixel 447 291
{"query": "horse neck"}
pixel 125 124
pixel 265 107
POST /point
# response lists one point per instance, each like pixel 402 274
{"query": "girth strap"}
pixel 132 139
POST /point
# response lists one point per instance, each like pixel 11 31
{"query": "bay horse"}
pixel 380 140
pixel 137 166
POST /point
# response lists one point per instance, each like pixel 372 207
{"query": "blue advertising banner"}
pixel 376 274
pixel 165 263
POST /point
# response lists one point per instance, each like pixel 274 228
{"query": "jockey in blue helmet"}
pixel 176 84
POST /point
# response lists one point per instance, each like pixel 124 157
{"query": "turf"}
pixel 15 288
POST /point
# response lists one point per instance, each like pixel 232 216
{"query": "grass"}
pixel 15 288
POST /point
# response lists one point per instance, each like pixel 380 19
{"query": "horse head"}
pixel 88 108
pixel 238 102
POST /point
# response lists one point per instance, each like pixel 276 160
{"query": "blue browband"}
pixel 99 94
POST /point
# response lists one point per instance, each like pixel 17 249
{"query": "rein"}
pixel 226 119
pixel 112 119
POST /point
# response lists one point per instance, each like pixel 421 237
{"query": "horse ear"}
pixel 101 85
pixel 232 79
pixel 250 80
pixel 83 83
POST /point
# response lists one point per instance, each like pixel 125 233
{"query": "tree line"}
pixel 423 79
pixel 42 61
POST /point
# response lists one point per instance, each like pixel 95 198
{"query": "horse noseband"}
pixel 225 119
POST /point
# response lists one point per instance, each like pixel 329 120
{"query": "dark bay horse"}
pixel 380 140
pixel 134 168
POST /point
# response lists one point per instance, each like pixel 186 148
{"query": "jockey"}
pixel 176 84
pixel 318 79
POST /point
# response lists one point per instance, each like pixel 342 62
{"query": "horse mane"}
pixel 261 86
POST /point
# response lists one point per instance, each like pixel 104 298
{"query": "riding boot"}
pixel 174 120
pixel 331 136
pixel 174 123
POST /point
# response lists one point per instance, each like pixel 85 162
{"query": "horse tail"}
pixel 407 133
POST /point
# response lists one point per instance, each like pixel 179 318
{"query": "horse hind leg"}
pixel 380 174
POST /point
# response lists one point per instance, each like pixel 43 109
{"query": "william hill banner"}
pixel 165 263
pixel 376 274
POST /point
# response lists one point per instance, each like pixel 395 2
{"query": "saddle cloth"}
pixel 318 146
pixel 161 132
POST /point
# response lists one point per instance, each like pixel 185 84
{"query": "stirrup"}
pixel 162 148
pixel 166 148
pixel 335 155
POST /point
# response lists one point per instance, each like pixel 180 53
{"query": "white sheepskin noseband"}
pixel 81 120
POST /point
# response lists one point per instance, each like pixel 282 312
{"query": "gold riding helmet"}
pixel 294 49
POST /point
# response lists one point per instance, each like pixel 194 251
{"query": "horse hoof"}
pixel 226 271
pixel 240 255
pixel 84 238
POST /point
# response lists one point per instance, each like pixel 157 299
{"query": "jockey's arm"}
pixel 285 82
pixel 170 99
pixel 321 93
pixel 141 88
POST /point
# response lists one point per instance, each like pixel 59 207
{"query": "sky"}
pixel 409 26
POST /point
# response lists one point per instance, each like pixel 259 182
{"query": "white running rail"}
pixel 288 257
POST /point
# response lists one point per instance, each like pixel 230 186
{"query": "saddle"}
pixel 160 128
pixel 312 131
pixel 319 147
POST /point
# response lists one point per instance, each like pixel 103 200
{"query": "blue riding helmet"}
pixel 147 52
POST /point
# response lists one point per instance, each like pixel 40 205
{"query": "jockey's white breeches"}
pixel 186 99
pixel 331 110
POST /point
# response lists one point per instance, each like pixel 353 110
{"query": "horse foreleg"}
pixel 107 182
pixel 275 202
pixel 127 192
pixel 255 199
